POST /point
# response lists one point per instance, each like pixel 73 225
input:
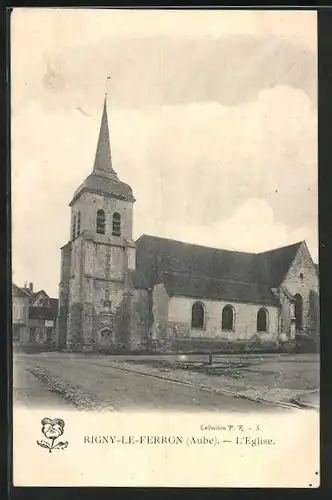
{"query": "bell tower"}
pixel 99 255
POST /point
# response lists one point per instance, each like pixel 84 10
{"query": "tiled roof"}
pixel 101 184
pixel 198 287
pixel 19 292
pixel 274 264
pixel 213 273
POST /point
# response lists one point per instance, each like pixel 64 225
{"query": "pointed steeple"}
pixel 103 179
pixel 103 160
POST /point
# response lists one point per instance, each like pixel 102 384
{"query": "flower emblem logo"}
pixel 52 430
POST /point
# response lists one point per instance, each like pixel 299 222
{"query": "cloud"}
pixel 252 227
pixel 153 71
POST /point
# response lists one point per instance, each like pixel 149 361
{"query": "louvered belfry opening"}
pixel 101 222
pixel 116 224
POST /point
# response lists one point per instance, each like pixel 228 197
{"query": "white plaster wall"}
pixel 245 318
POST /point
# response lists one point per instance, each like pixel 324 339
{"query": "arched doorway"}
pixel 106 336
pixel 298 311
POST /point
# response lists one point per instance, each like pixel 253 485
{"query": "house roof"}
pixel 35 295
pixel 19 292
pixel 188 269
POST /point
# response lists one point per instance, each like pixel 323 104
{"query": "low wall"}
pixel 34 347
pixel 199 345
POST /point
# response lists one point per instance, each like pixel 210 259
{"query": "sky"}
pixel 212 116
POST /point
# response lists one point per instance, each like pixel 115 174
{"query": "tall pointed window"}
pixel 101 222
pixel 227 318
pixel 197 315
pixel 298 311
pixel 78 231
pixel 74 228
pixel 116 225
pixel 262 320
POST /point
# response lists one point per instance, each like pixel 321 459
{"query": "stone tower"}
pixel 97 260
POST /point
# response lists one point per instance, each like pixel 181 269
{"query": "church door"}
pixel 106 336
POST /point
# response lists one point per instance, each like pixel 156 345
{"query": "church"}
pixel 117 294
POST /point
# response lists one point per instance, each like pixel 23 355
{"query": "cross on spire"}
pixel 106 85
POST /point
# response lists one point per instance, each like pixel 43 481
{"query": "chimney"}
pixel 31 287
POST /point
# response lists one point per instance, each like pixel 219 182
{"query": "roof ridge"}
pixel 195 244
pixel 281 247
pixel 216 248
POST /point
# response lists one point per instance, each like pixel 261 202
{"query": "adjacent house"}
pixel 34 316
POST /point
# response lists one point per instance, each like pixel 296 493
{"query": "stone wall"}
pixel 74 326
pixel 89 203
pixel 139 319
pixel 63 296
pixel 127 326
pixel 286 311
pixel 160 301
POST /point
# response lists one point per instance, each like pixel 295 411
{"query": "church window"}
pixel 262 320
pixel 78 224
pixel 74 227
pixel 197 315
pixel 101 222
pixel 298 311
pixel 116 226
pixel 227 318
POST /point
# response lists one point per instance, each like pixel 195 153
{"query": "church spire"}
pixel 103 160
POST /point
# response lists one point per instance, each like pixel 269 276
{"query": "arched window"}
pixel 227 319
pixel 116 226
pixel 74 228
pixel 197 315
pixel 262 320
pixel 298 308
pixel 101 222
pixel 78 224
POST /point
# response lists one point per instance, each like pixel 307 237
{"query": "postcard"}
pixel 165 274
